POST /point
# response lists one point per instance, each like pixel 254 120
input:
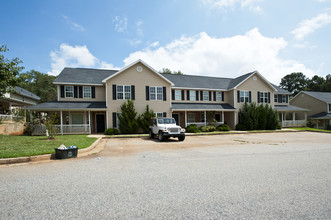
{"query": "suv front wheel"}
pixel 161 137
pixel 151 134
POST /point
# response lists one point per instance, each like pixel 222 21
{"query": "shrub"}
pixel 240 127
pixel 192 128
pixel 128 118
pixel 279 127
pixel 223 127
pixel 208 128
pixel 145 118
pixel 312 123
pixel 111 131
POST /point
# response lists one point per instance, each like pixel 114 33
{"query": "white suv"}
pixel 166 128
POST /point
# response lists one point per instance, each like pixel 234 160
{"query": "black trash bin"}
pixel 66 153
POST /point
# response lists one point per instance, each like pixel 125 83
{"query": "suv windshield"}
pixel 166 121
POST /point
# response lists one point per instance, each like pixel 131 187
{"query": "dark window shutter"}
pixel 62 91
pixel 147 93
pixel 183 95
pixel 286 98
pixel 114 120
pixel 80 92
pixel 258 97
pixel 164 93
pixel 133 94
pixel 280 100
pixel 93 92
pixel 164 114
pixel 209 95
pixel 197 95
pixel 201 95
pixel 187 95
pixel 75 92
pixel 214 96
pixel 114 92
pixel 222 96
pixel 238 96
pixel 173 94
pixel 268 97
pixel 249 96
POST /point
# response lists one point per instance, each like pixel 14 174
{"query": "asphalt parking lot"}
pixel 237 176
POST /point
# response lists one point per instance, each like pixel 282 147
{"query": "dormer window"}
pixel 69 91
pixel 86 92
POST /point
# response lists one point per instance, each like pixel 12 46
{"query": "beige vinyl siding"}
pixel 306 101
pixel 140 80
pixel 199 101
pixel 100 94
pixel 23 99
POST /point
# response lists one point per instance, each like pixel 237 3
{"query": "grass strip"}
pixel 309 129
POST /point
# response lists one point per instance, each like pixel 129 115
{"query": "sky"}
pixel 221 38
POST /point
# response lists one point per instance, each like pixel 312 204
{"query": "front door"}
pixel 100 119
pixel 176 117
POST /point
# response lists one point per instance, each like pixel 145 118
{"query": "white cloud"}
pixel 310 25
pixel 223 4
pixel 73 25
pixel 222 57
pixel 121 24
pixel 74 56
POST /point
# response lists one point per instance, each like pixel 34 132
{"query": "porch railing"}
pixel 292 123
pixel 9 117
pixel 200 124
pixel 66 129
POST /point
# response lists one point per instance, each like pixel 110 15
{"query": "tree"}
pixel 316 83
pixel 294 82
pixel 40 84
pixel 145 118
pixel 128 118
pixel 168 71
pixel 9 70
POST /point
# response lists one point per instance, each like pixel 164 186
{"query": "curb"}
pixel 81 153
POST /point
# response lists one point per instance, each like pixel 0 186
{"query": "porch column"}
pixel 185 119
pixel 61 122
pixel 31 119
pixel 89 121
pixel 305 118
pixel 293 117
pixel 205 118
pixel 107 119
pixel 223 117
pixel 235 118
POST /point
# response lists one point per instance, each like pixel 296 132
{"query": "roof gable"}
pixel 241 79
pixel 322 96
pixel 134 63
pixel 26 93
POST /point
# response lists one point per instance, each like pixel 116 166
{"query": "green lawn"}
pixel 309 129
pixel 21 146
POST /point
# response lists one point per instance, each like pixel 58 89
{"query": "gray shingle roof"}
pixel 291 108
pixel 201 106
pixel 281 90
pixel 68 105
pixel 236 81
pixel 83 76
pixel 26 93
pixel 323 96
pixel 322 115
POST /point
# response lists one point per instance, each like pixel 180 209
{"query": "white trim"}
pixel 252 74
pixel 84 84
pixel 21 101
pixel 134 63
pixel 58 92
pixel 106 96
pixel 201 110
pixel 107 120
pixel 198 89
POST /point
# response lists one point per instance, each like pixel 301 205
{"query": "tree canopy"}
pixel 9 70
pixel 296 82
pixel 168 71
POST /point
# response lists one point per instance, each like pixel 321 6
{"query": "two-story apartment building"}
pixel 89 100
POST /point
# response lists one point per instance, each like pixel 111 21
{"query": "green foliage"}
pixel 294 82
pixel 51 120
pixel 39 84
pixel 279 127
pixel 208 128
pixel 223 127
pixel 128 118
pixel 9 70
pixel 311 123
pixel 192 128
pixel 111 131
pixel 168 71
pixel 253 117
pixel 144 119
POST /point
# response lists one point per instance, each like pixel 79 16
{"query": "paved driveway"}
pixel 248 176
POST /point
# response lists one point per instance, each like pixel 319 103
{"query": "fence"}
pixel 66 129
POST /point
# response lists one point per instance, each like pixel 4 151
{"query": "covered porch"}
pixel 199 114
pixel 323 120
pixel 72 118
pixel 291 116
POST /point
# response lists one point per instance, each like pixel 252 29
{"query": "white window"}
pixel 264 97
pixel 86 92
pixel 205 95
pixel 276 98
pixel 244 96
pixel 158 114
pixel 191 118
pixel 155 93
pixel 69 91
pixel 178 95
pixel 193 95
pixel 218 96
pixel 123 92
pixel 284 98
